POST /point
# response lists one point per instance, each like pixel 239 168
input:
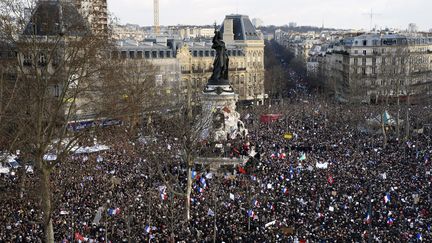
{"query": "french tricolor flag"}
pixel 162 193
pixel 113 211
pixel 285 191
pixel 200 190
pixel 255 203
pixel 147 229
pixel 387 198
pixel 282 156
pixel 368 219
pixel 390 221
pixel 251 213
pixel 419 237
pixel 203 182
pixel 271 206
pixel 193 174
pixel 291 172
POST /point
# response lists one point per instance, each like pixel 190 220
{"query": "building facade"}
pixel 185 66
pixel 96 13
pixel 373 65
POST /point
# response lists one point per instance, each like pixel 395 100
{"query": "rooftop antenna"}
pixel 371 15
pixel 156 16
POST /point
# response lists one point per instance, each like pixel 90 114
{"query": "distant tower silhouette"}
pixel 156 16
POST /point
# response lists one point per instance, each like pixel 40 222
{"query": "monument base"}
pixel 222 99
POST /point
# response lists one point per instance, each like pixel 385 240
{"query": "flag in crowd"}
pixel 330 179
pixel 210 213
pixel 368 219
pixel 193 174
pixel 390 221
pixel 113 211
pixel 284 190
pixel 387 198
pixel 255 203
pixel 203 182
pixel 251 213
pixel 98 215
pixel 162 193
pixel 291 172
pixel 302 156
pixel 79 237
pixel 147 229
pixel 419 237
pixel 321 165
pixel 270 206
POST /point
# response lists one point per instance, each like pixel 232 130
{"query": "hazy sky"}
pixel 333 13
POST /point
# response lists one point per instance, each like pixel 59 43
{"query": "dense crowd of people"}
pixel 328 181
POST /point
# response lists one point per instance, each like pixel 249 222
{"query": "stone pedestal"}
pixel 219 103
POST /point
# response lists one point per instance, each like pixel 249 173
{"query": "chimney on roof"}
pixel 228 35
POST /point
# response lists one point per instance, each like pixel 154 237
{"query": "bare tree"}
pixel 188 132
pixel 393 75
pixel 128 90
pixel 58 62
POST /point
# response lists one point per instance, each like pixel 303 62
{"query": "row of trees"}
pixel 55 70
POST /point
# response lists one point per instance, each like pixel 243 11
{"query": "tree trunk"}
pixel 188 193
pixel 407 128
pixel 46 204
pixel 383 131
pixel 398 114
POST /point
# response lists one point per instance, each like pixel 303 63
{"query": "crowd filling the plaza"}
pixel 316 177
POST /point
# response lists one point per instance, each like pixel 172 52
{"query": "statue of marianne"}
pixel 221 62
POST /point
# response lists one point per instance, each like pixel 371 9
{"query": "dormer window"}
pixel 34 28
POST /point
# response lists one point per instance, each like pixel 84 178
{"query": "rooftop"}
pixel 243 28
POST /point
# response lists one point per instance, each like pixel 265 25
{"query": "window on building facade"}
pixel 123 54
pixel 364 61
pixel 56 90
pixel 355 61
pixel 364 71
pixel 42 59
pixel 364 42
pixel 147 54
pixel 364 52
pixel 161 54
pixel 168 54
pixel 154 54
pixel 114 55
pixel 355 51
pixel 131 54
pixel 139 54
